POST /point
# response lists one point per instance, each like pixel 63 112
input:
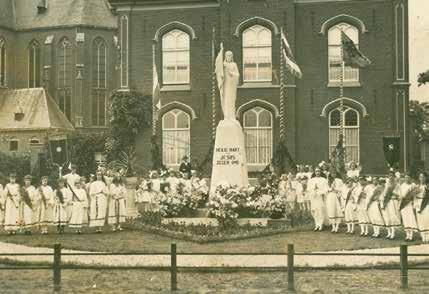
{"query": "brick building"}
pixel 178 36
pixel 67 47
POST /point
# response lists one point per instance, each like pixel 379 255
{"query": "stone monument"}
pixel 229 155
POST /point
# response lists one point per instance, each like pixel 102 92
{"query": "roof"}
pixel 60 13
pixel 40 111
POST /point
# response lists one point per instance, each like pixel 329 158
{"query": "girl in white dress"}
pixel 373 206
pixel 349 205
pixel 422 208
pixel 11 214
pixel 79 203
pixel 389 205
pixel 117 209
pixel 318 187
pixel 407 191
pixel 333 204
pixel 282 186
pixel 98 211
pixel 28 205
pixel 360 192
pixel 2 203
pixel 46 206
pixel 61 199
pixel 299 190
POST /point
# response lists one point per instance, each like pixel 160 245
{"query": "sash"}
pixel 43 197
pixel 425 200
pixel 388 195
pixel 407 199
pixel 26 198
pixel 60 196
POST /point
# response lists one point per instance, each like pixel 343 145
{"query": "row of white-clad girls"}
pixel 389 203
pixel 165 182
pixel 23 208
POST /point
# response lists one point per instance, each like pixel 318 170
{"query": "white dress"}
pixel 98 208
pixel 117 206
pixel 409 220
pixel 390 206
pixel 11 217
pixel 349 205
pixel 2 204
pixel 28 213
pixel 374 212
pixel 333 205
pixel 79 202
pixel 362 213
pixel 318 187
pixel 46 213
pixel 60 213
pixel 422 212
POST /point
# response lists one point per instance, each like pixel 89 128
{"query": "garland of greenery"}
pixel 156 153
pixel 282 160
pixel 131 112
pixel 206 165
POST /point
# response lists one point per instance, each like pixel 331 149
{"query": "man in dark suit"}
pixel 186 166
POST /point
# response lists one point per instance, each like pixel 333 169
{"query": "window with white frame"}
pixel 257 54
pixel 99 83
pixel 2 62
pixel 34 65
pixel 334 50
pixel 258 134
pixel 176 136
pixel 64 69
pixel 124 51
pixel 175 57
pixel 350 131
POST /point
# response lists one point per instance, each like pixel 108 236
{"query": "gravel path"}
pixel 215 260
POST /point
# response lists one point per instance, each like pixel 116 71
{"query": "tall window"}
pixel 350 123
pixel 258 134
pixel 175 57
pixel 176 136
pixel 334 51
pixel 257 54
pixel 2 63
pixel 99 83
pixel 34 69
pixel 124 51
pixel 64 69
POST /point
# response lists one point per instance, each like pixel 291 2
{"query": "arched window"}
pixel 334 51
pixel 34 140
pixel 258 134
pixel 175 57
pixel 34 69
pixel 257 54
pixel 99 82
pixel 2 63
pixel 350 132
pixel 124 51
pixel 64 69
pixel 176 136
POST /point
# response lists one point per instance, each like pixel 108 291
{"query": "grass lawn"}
pixel 140 241
pixel 91 281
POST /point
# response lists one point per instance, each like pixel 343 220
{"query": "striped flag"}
pixel 290 62
pixel 351 54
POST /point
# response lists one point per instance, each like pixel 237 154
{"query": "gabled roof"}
pixel 39 109
pixel 60 13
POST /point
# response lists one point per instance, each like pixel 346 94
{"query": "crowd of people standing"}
pixel 75 203
pixel 390 202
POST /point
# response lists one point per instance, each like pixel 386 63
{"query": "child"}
pixel 79 203
pixel 117 209
pixel 144 196
pixel 46 205
pixel 349 205
pixel 299 189
pixel 61 199
pixel 11 217
pixel 28 201
pixel 98 209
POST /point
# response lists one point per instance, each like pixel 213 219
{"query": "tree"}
pixel 423 78
pixel 282 160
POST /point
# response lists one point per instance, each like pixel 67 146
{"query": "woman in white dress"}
pixel 318 187
pixel 373 206
pixel 360 194
pixel 12 196
pixel 117 209
pixel 407 191
pixel 349 205
pixel 389 205
pixel 46 205
pixel 333 204
pixel 98 210
pixel 79 203
pixel 421 202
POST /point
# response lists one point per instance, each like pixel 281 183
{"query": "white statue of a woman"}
pixel 227 78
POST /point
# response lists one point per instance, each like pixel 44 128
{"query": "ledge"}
pixel 345 85
pixel 256 167
pixel 401 83
pixel 172 88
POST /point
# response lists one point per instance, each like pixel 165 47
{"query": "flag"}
pixel 391 148
pixel 351 54
pixel 423 78
pixel 290 62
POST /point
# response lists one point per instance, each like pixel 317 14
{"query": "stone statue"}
pixel 227 79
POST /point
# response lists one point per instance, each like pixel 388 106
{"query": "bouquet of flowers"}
pixel 225 202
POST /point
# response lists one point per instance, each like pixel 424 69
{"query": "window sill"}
pixel 170 88
pixel 258 85
pixel 345 84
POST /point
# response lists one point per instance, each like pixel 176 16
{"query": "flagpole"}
pixel 154 111
pixel 341 98
pixel 213 85
pixel 282 90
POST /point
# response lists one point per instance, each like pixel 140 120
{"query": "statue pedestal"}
pixel 229 156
